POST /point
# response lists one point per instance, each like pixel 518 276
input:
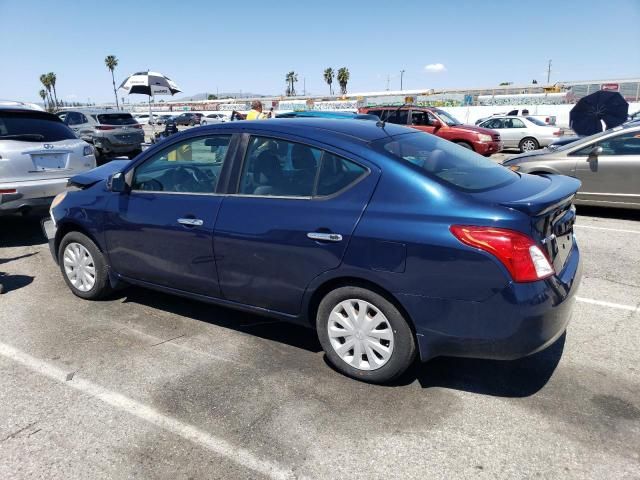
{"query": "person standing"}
pixel 256 111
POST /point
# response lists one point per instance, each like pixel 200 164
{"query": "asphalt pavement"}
pixel 145 385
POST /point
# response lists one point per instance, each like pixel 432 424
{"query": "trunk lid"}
pixel 547 201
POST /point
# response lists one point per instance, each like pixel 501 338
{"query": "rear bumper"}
pixel 109 146
pixel 31 194
pixel 487 148
pixel 521 320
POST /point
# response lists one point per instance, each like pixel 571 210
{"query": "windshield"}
pixel 116 119
pixel 536 121
pixel 448 119
pixel 33 127
pixel 449 163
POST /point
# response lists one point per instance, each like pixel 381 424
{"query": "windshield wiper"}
pixel 26 136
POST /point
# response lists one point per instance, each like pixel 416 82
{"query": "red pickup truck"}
pixel 438 122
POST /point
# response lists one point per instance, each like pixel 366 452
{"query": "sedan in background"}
pixel 188 119
pixel 389 242
pixel 212 118
pixel 524 133
pixel 607 164
pixel 38 154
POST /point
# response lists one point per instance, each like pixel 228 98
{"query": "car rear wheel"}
pixel 364 335
pixel 465 145
pixel 83 266
pixel 528 144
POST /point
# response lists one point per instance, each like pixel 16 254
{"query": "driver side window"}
pixel 192 166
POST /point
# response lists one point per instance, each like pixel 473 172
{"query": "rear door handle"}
pixel 190 222
pixel 325 237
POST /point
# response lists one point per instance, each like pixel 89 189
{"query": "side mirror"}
pixel 595 151
pixel 117 183
pixel 436 124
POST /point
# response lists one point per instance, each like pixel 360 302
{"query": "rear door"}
pixel 613 175
pixel 161 232
pixel 290 220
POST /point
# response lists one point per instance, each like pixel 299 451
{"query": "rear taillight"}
pixel 516 251
pixel 557 133
pixel 137 125
pixel 8 191
pixel 105 127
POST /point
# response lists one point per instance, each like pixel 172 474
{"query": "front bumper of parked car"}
pixel 520 320
pixel 488 148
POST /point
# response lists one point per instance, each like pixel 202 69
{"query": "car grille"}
pixel 496 137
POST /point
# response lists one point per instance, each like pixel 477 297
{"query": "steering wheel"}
pixel 192 179
pixel 152 185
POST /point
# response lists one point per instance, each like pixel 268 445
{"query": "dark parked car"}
pixel 388 241
pixel 189 119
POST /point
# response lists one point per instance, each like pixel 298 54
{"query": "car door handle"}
pixel 325 237
pixel 190 222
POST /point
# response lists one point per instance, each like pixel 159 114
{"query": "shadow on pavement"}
pixel 19 231
pixel 9 283
pixel 515 378
pixel 19 257
pixel 603 212
pixel 260 326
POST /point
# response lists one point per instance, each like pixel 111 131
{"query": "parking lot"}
pixel 145 385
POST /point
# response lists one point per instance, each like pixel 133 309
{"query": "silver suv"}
pixel 111 132
pixel 38 154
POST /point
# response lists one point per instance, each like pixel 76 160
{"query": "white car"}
pixel 212 118
pixel 144 119
pixel 38 155
pixel 524 133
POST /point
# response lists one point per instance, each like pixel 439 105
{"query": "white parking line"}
pixel 215 444
pixel 619 306
pixel 621 230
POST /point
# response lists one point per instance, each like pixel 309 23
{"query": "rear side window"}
pixel 396 116
pixel 275 167
pixel 116 119
pixel 33 127
pixel 535 121
pixel 447 162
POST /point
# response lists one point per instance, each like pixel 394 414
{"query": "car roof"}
pixel 13 105
pixel 362 130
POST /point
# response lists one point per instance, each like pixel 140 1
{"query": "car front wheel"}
pixel 83 266
pixel 364 335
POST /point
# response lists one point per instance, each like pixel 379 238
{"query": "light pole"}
pixel 401 75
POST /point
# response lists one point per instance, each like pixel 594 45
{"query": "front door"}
pixel 424 121
pixel 290 221
pixel 161 231
pixel 612 175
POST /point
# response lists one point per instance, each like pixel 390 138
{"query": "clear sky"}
pixel 249 46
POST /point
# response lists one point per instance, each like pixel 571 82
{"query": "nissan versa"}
pixel 390 242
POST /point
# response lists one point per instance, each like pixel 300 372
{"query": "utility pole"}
pixel 304 86
pixel 401 75
pixel 549 72
pixel 388 80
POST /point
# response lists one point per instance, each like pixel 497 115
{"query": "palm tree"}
pixel 52 81
pixel 291 78
pixel 44 79
pixel 343 79
pixel 328 77
pixel 43 94
pixel 112 62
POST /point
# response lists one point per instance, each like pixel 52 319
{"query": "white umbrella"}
pixel 151 84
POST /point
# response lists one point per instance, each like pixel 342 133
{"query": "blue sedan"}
pixel 391 243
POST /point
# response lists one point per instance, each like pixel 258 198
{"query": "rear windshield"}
pixel 116 119
pixel 536 121
pixel 447 162
pixel 33 127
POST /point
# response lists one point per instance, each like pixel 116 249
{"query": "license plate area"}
pixel 561 239
pixel 49 161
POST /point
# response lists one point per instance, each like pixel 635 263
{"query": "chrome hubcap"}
pixel 79 267
pixel 360 334
pixel 528 146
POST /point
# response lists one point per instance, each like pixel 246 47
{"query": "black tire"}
pixel 526 143
pixel 101 287
pixel 465 145
pixel 404 347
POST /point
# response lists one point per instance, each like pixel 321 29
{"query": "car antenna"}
pixel 381 123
